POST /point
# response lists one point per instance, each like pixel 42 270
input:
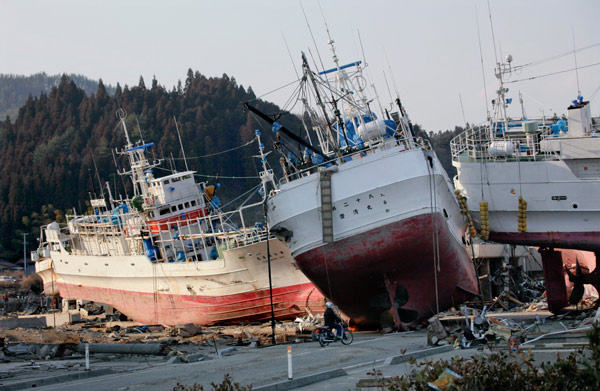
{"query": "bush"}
pixel 32 283
pixel 226 385
pixel 580 371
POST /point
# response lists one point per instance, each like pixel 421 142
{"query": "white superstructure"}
pixel 538 178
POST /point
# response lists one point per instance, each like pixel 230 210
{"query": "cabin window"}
pixel 166 181
pixel 193 202
pixel 187 205
pixel 175 180
pixel 164 211
pixel 185 177
pixel 180 206
pixel 174 208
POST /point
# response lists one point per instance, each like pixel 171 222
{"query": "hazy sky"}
pixel 431 46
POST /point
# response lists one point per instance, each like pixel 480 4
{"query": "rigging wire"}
pixel 290 54
pixel 556 57
pixel 594 93
pixel 551 74
pixel 311 33
pixel 575 56
pixel 434 235
pixel 240 196
pixel 217 153
pixel 226 177
pixel 275 90
pixel 492 28
pixel 487 109
pixel 215 176
pixel 291 102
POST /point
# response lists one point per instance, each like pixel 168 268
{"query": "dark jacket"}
pixel 331 318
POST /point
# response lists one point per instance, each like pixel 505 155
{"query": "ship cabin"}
pixel 173 198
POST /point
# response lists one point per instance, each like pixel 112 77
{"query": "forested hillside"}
pixel 48 155
pixel 15 89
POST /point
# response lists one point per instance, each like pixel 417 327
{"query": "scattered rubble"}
pixel 503 329
pixel 103 335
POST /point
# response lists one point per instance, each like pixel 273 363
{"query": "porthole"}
pixel 575 206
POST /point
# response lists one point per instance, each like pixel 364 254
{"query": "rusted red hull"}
pixel 289 302
pixel 558 286
pixel 588 241
pixel 365 273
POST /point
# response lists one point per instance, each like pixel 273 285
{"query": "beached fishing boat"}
pixel 169 256
pixel 367 209
pixel 533 181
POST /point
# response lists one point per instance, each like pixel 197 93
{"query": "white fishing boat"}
pixel 533 182
pixel 169 256
pixel 367 210
pixel 538 179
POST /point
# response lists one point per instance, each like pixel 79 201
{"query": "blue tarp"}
pixel 150 249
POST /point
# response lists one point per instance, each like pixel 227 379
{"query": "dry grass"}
pixel 32 283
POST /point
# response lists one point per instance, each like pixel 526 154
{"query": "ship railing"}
pixel 482 144
pixel 106 234
pixel 298 171
pixel 202 238
pixel 193 239
pixel 469 140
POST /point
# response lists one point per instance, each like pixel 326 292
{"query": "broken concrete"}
pixel 42 320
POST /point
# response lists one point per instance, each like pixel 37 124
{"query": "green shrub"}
pixel 226 385
pixel 580 371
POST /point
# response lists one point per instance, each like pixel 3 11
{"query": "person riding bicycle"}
pixel 332 320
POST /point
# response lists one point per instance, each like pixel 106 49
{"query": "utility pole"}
pixel 25 254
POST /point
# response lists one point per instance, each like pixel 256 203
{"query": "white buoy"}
pixel 87 356
pixel 290 374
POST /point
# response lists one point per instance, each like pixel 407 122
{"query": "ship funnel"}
pixel 579 118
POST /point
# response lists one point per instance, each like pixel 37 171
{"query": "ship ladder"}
pixel 326 206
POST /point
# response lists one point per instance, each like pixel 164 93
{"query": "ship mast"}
pixel 500 103
pixel 140 169
pixel 308 72
pixel 266 175
pixel 358 103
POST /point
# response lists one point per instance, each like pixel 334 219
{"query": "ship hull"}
pixel 228 290
pixel 365 273
pixel 386 208
pixel 587 241
pixel 169 309
pixel 562 201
